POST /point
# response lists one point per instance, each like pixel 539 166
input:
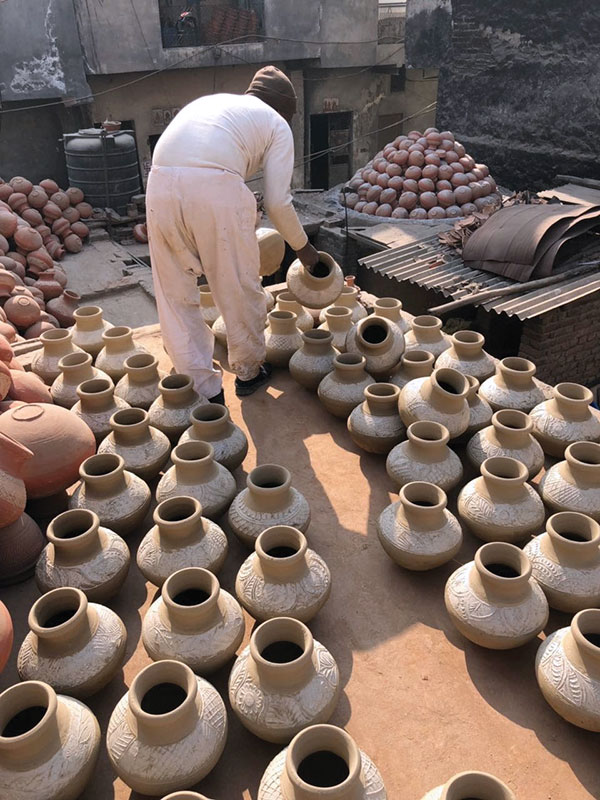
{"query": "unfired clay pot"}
pixel 75 646
pixel 195 473
pixel 574 484
pixel 565 419
pixel 271 248
pixel 391 308
pixel 284 577
pixel 210 312
pixel 6 635
pixel 118 347
pixel 567 668
pixel 97 404
pixel 508 435
pixel 21 542
pixel 220 331
pixel 426 334
pixel 168 731
pixel 268 499
pixel 171 410
pixel 347 299
pixel 338 321
pixel 58 440
pixel 74 370
pixel 194 621
pixel 287 302
pixel 56 343
pixel 380 342
pixel 314 360
pixel 13 497
pixel 417 531
pixel 343 389
pixel 212 423
pixel 318 289
pixel 322 761
pixel 566 561
pixel 282 338
pixel 119 498
pixel 88 329
pixel 494 601
pixel 181 537
pixel 375 425
pixel 466 354
pixel 82 554
pixel 472 786
pixel 49 743
pixel 425 456
pixel 140 384
pixel 442 397
pixel 144 449
pixel 480 411
pixel 500 506
pixel 413 364
pixel 513 386
pixel 283 681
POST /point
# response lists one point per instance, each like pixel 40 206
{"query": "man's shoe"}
pixel 218 398
pixel 244 388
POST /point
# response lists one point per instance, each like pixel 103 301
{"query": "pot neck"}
pixel 582 461
pixel 467 345
pixel 317 343
pixel 571 401
pixel 75 536
pixel 63 621
pixel 211 422
pixel 178 519
pixel 269 488
pixel 348 298
pixel 349 369
pixel 281 552
pixel 177 391
pixel 13 455
pixel 57 343
pixel 574 538
pixel 447 390
pixel 75 374
pixel 289 304
pixel 504 478
pixel 87 319
pixel 427 329
pixel 338 319
pixel 272 644
pixel 512 429
pixel 118 340
pixel 419 367
pixel 516 373
pixel 190 600
pixel 423 506
pixel 381 399
pixel 502 572
pixel 193 466
pixel 582 643
pixel 375 334
pixel 130 426
pixel 143 375
pixel 103 475
pixel 389 308
pixel 427 441
pixel 282 323
pixel 96 395
pixel 36 744
pixel 478 785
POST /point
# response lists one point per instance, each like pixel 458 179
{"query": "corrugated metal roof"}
pixel 419 263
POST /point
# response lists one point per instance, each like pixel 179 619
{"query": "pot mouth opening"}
pixel 287 297
pixel 505 469
pixel 574 391
pixel 427 321
pixel 317 335
pixel 388 302
pixel 349 359
pixel 72 295
pixel 338 311
pixel 468 337
pixel 349 289
pixel 516 364
pixel 321 270
pixel 87 311
pixel 283 315
pixel 382 390
pixel 161 689
pixel 428 431
pixel 139 361
pixel 56 608
pixel 192 451
pixel 209 412
pixel 418 357
pixel 269 477
pixel 503 561
pixel 323 769
pixel 282 652
pixel 72 524
pixel 177 509
pixel 24 721
pixel 192 586
pixel 129 416
pixel 477 786
pixel 451 382
pixel 374 331
pixel 280 543
pixel 587 453
pixel 117 332
pixel 574 527
pixel 95 386
pixel 280 641
pixel 176 381
pixel 423 495
pixel 163 698
pixel 54 334
pixel 101 465
pixel 512 419
pixel 586 624
pixel 74 360
pixel 323 757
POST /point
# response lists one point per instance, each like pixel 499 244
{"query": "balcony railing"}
pixel 391 22
pixel 197 23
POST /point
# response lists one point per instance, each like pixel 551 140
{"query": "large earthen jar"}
pixel 514 386
pixel 292 679
pixel 140 384
pixel 380 342
pixel 144 449
pixel 567 418
pixel 118 346
pixel 508 435
pixel 282 337
pixel 343 388
pixel 63 308
pixel 212 423
pixel 413 364
pixel 97 404
pixel 375 425
pixel 442 397
pixel 338 321
pixel 391 308
pixel 168 731
pixel 56 344
pixel 49 743
pixel 425 456
pixel 319 287
pixel 171 410
pixel 474 785
pixel 287 302
pixel 88 329
pixel 466 354
pixel 314 360
pixel 75 369
pixel 574 484
pixel 426 334
pixel 21 543
pixel 13 497
pixel 480 411
pixel 347 299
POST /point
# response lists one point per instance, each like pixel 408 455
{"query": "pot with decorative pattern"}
pixel 140 385
pixel 574 484
pixel 287 302
pixel 466 354
pixel 472 786
pixel 514 386
pixel 212 423
pixel 75 369
pixel 318 287
pixel 565 419
pixel 413 364
pixel 171 410
pixel 338 321
pixel 380 342
pixel 425 456
pixel 343 389
pixel 441 397
pixel 282 338
pixel 314 360
pixel 144 449
pixel 426 334
pixel 509 435
pixel 118 346
pixel 97 404
pixel 88 329
pixel 375 425
pixel 57 343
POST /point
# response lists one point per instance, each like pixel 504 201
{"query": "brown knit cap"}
pixel 274 88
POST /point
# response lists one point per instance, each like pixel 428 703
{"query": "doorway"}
pixel 328 131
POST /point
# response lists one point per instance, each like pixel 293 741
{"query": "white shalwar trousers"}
pixel 202 222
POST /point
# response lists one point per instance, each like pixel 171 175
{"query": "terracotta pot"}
pixel 118 347
pixel 319 289
pixel 347 299
pixel 509 435
pixel 35 331
pixel 82 554
pixel 413 364
pixel 417 531
pixel 58 440
pixel 426 334
pixel 338 321
pixel 268 499
pixel 343 389
pixel 97 404
pixel 85 210
pixel 566 561
pixel 375 425
pixel 567 668
pixel 75 646
pixel 442 397
pixel 48 285
pixel 64 308
pixel 322 761
pixel 282 338
pixel 140 385
pixel 466 354
pixel 88 329
pixel 181 537
pixel 271 247
pixel 391 308
pixel 21 543
pixel 145 450
pixel 380 342
pixel 56 343
pixel 75 369
pixel 220 331
pixel 314 360
pixel 212 423
pixel 171 410
pixel 13 497
pixel 494 601
pixel 61 199
pixel 565 419
pixel 283 681
pixel 193 621
pixel 119 498
pixel 500 506
pixel 27 387
pixel 49 186
pixel 480 785
pixel 425 456
pixel 574 484
pixel 49 744
pixel 168 731
pixel 207 305
pixel 22 311
pixel 8 331
pixel 6 635
pixel 196 474
pixel 287 302
pixel 283 578
pixel 513 386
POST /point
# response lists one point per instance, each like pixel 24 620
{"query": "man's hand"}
pixel 308 255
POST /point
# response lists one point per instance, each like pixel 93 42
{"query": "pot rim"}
pixel 174 383
pixel 412 492
pixel 280 474
pixel 172 671
pixel 506 554
pixel 103 465
pixel 500 420
pixel 128 418
pixel 382 391
pixel 349 360
pixel 417 431
pixel 335 740
pixel 573 393
pixel 56 334
pixel 338 311
pixel 190 578
pixel 209 412
pixel 427 322
pixel 75 360
pixel 11 697
pixel 567 520
pixel 283 536
pixel 94 387
pixel 452 377
pixel 192 450
pixel 79 518
pixel 140 361
pixel 371 321
pixel 63 598
pixel 191 505
pixel 87 311
pixel 584 454
pixel 506 469
pixel 417 357
pixel 281 629
pixel 515 365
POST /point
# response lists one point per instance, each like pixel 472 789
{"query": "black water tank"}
pixel 104 166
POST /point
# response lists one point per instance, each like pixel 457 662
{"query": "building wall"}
pixel 429 23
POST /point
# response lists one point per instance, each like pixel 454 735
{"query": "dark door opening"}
pixel 334 166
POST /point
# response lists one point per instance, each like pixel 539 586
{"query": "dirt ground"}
pixel 419 699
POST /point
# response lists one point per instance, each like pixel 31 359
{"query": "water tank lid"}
pixel 95 133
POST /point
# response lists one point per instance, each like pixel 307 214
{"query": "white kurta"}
pixel 201 220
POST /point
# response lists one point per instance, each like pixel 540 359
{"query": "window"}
pixel 398 80
pixel 197 23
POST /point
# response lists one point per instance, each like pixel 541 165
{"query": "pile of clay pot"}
pixel 422 176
